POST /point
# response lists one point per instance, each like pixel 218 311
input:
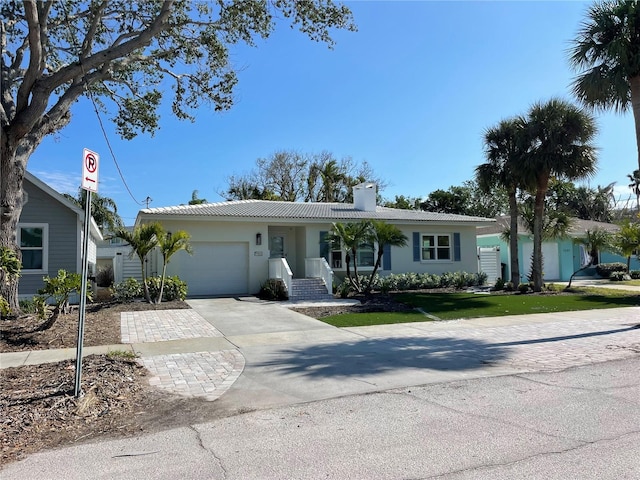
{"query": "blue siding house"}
pixel 561 257
pixel 50 233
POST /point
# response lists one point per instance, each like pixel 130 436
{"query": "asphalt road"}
pixel 578 423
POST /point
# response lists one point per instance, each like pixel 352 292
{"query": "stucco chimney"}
pixel 364 197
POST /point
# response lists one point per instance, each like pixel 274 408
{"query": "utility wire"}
pixel 95 106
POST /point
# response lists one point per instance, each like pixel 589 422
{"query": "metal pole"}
pixel 83 293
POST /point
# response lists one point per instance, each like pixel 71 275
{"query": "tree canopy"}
pixel 291 176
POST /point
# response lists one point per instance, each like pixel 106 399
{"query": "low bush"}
pixel 619 276
pixel 606 269
pixel 127 291
pixel 523 287
pixel 104 277
pixel 174 288
pixel 499 285
pixel 273 289
pixel 634 274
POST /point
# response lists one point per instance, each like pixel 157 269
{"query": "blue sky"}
pixel 411 93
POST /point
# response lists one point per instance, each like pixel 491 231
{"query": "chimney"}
pixel 364 197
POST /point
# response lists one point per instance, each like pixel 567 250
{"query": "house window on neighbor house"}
pixel 33 240
pixel 436 247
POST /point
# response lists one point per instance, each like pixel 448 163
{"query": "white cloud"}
pixel 61 182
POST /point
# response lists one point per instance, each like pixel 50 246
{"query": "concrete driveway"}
pixel 291 358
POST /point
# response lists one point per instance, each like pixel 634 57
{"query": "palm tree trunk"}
pixel 164 273
pixel 538 219
pixel 375 268
pixel 513 239
pixel 635 106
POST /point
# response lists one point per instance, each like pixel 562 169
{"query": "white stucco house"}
pixel 238 245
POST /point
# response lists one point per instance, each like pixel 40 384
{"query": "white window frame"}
pixel 436 247
pixel 45 247
pixel 337 259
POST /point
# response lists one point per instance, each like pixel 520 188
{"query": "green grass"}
pixel 450 306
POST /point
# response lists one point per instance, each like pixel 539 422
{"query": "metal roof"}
pixel 252 209
pixel 578 227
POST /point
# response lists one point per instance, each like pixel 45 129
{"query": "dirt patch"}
pixel 102 327
pixel 37 402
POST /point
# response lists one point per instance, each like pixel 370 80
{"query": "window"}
pixel 365 256
pixel 33 240
pixel 436 247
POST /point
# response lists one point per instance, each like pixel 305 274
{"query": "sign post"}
pixel 90 161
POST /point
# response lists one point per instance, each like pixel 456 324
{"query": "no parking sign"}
pixel 90 161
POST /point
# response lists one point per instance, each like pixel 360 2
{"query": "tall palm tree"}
pixel 350 236
pixel 505 147
pixel 607 53
pixel 142 240
pixel 383 234
pixel 170 243
pixel 562 136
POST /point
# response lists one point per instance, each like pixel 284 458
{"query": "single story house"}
pixel 561 257
pixel 238 245
pixel 50 233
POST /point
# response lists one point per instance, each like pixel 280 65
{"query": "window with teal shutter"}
pixel 456 247
pixel 416 246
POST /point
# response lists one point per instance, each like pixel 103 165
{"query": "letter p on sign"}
pixel 90 162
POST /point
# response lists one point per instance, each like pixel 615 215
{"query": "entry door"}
pixel 277 246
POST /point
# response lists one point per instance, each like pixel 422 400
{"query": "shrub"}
pixel 104 277
pixel 174 288
pixel 619 276
pixel 523 287
pixel 499 285
pixel 273 289
pixel 606 269
pixel 61 287
pixel 127 291
pixel 634 274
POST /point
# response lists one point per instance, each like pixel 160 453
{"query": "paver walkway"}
pixel 205 374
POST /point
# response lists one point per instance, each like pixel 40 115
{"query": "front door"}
pixel 277 244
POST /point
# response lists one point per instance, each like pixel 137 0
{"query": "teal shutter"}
pixel 386 257
pixel 456 247
pixel 324 245
pixel 416 246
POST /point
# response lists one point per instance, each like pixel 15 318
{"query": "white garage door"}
pixel 550 260
pixel 215 268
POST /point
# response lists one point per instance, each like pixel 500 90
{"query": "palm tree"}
pixel 142 240
pixel 169 244
pixel 607 53
pixel 561 136
pixel 103 209
pixel 351 236
pixel 195 200
pixel 627 240
pixel 505 147
pixel 594 241
pixel 634 178
pixel 383 234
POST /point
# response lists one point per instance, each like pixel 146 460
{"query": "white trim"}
pixel 435 247
pixel 45 247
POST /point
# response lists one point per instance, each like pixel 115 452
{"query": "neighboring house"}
pixel 50 232
pixel 116 253
pixel 561 257
pixel 238 245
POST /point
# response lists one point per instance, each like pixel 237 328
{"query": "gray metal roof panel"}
pixel 298 210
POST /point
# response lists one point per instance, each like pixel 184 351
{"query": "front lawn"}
pixel 450 306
